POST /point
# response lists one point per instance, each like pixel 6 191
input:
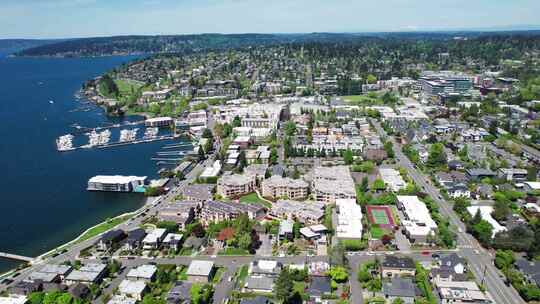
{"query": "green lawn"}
pixel 360 99
pixel 252 198
pixel 377 232
pixel 233 251
pixel 242 274
pixel 126 87
pixel 103 227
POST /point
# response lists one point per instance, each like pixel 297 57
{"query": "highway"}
pixel 480 260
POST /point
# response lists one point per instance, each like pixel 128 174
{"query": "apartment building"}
pixel 332 183
pixel 235 185
pixel 277 186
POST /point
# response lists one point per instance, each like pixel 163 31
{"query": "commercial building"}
pixel 200 271
pixel 392 179
pixel 418 224
pixel 349 219
pixel 332 183
pixel 235 185
pixel 159 122
pixel 115 183
pixel 461 292
pixel 284 187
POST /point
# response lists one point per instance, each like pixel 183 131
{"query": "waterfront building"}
pixel 235 185
pixel 159 122
pixel 115 183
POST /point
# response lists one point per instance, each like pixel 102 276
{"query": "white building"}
pixel 143 272
pixel 153 239
pixel 418 224
pixel 349 223
pixel 159 122
pixel 115 183
pixel 212 171
pixel 14 299
pixel 485 213
pixel 392 179
pixel 132 289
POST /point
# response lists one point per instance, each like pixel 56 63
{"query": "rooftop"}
pixel 200 268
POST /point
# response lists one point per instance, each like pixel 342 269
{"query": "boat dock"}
pixel 122 143
pixel 15 257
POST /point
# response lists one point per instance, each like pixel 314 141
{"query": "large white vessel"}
pixel 128 135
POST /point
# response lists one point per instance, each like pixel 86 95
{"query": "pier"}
pixel 15 257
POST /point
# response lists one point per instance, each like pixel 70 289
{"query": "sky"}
pixel 90 18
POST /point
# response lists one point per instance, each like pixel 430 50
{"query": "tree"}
pixel 273 156
pixel 437 156
pixel 200 152
pixel 283 287
pixel 501 210
pixel 348 156
pixel 36 298
pixel 398 301
pixel 504 259
pixel 371 79
pixel 338 274
pixel 364 186
pixel 483 231
pixel 244 241
pixel 379 185
pixel 201 294
pixel 237 122
pixel 389 149
pixel 289 128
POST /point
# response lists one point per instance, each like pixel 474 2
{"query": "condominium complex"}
pixel 332 183
pixel 277 186
pixel 418 224
pixel 235 185
pixel 304 212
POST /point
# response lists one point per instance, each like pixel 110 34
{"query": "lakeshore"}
pixel 48 192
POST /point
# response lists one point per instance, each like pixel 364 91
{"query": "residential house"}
pixel 133 289
pixel 200 271
pixel 530 270
pixel 396 266
pixel 179 293
pixel 461 292
pixel 91 273
pixel 319 288
pixel 145 272
pixel 513 174
pixel 402 288
pixel 109 239
pixel 153 239
pixel 135 238
pixel 479 174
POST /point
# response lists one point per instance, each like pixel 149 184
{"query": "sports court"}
pixel 381 215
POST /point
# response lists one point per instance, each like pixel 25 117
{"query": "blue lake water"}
pixel 43 200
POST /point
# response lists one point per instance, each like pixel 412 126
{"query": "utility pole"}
pixel 484 275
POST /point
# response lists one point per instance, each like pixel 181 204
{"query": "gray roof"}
pixel 319 286
pixel 200 268
pixel 200 192
pixel 179 293
pixel 259 283
pixel 398 262
pixel 399 287
pixel 528 267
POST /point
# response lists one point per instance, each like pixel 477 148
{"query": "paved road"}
pixel 480 259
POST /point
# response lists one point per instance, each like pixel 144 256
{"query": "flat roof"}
pixel 13 299
pixel 143 271
pixel 200 268
pixel 115 179
pixel 131 287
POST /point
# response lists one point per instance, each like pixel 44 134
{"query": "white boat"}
pixel 65 143
pixel 51 102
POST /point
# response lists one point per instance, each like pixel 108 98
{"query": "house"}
pixel 79 291
pixel 259 284
pixel 91 273
pixel 109 239
pixel 266 268
pixel 319 287
pixel 485 191
pixel 531 186
pixel 132 289
pixel 143 273
pixel 450 267
pixel 402 288
pixel 200 271
pixel 179 293
pixel 50 273
pixel 256 300
pixel 479 174
pixel 513 174
pixel 119 299
pixel 135 238
pixel 172 241
pixel 13 299
pixel 25 288
pixel 154 238
pixel 455 165
pixel 458 190
pixel 392 179
pixel 286 230
pixel 395 266
pixel 530 270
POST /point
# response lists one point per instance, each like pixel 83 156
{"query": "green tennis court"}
pixel 379 217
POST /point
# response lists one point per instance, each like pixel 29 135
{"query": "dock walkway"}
pixel 15 257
